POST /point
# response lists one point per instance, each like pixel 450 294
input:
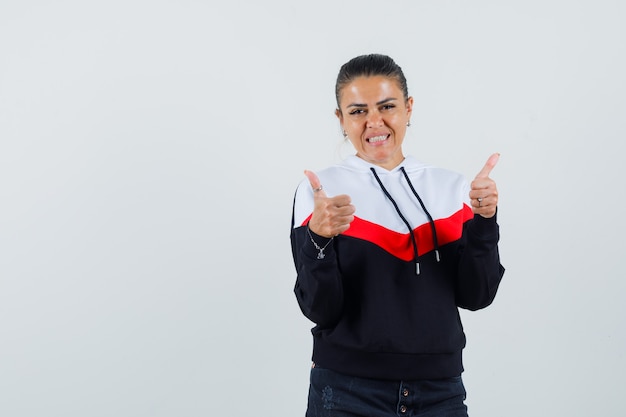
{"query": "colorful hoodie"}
pixel 384 296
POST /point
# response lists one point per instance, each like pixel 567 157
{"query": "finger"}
pixel 341 201
pixel 491 163
pixel 316 185
pixel 482 186
pixel 482 202
pixel 489 192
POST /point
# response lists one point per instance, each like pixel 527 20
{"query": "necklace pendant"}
pixel 321 254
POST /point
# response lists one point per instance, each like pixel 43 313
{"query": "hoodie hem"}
pixel 387 366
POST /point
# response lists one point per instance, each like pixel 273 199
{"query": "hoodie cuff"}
pixel 485 228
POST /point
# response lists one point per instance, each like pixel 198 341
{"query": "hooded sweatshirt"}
pixel 384 295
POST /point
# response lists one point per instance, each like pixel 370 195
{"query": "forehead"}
pixel 373 88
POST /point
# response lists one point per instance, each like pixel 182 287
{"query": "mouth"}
pixel 377 139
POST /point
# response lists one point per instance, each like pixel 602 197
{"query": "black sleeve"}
pixel 318 288
pixel 480 271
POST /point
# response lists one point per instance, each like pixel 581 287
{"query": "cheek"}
pixel 354 140
pixel 350 128
pixel 355 125
pixel 400 124
pixel 400 132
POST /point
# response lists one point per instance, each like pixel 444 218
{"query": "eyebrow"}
pixel 387 100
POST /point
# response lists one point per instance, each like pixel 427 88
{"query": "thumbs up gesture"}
pixel 483 192
pixel 331 215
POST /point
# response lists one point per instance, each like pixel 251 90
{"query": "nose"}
pixel 374 119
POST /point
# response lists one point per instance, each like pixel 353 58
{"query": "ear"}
pixel 339 115
pixel 409 106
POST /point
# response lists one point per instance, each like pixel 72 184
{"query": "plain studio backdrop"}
pixel 149 152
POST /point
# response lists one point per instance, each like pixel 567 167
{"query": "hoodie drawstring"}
pixel 430 218
pixel 412 235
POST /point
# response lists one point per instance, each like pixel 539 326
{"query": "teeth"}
pixel 377 139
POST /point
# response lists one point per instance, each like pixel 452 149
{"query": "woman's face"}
pixel 374 115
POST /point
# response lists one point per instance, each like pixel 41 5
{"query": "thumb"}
pixel 491 163
pixel 316 185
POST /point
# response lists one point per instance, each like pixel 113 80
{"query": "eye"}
pixel 387 107
pixel 357 111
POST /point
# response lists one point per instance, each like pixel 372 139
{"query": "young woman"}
pixel 386 250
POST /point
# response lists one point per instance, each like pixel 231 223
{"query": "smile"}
pixel 377 139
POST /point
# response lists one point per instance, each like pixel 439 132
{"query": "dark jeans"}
pixel 335 395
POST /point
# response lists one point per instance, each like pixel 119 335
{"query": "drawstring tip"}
pixel 437 255
pixel 417 268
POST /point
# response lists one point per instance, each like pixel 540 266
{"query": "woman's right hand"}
pixel 331 215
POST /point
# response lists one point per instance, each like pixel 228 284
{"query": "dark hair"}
pixel 369 66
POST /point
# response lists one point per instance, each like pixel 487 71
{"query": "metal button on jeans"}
pixel 403 408
pixel 405 392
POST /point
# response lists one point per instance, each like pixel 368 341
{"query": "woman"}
pixel 387 249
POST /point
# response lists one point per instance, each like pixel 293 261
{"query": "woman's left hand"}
pixel 484 193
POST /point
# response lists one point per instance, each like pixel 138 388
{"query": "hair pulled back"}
pixel 368 66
